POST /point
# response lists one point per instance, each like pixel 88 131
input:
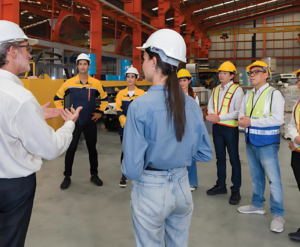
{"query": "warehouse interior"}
pixel 215 31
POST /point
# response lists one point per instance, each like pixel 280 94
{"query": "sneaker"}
pixel 193 188
pixel 295 235
pixel 235 198
pixel 250 209
pixel 216 190
pixel 96 180
pixel 277 223
pixel 123 182
pixel 66 183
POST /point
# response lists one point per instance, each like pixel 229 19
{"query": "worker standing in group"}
pixel 223 110
pixel 185 80
pixel 164 131
pixel 123 100
pixel 83 90
pixel 294 145
pixel 261 114
pixel 25 137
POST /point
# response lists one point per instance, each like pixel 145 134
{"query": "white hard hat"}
pixel 170 42
pixel 11 32
pixel 133 70
pixel 83 56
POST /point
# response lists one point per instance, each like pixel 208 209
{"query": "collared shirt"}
pixel 83 95
pixel 150 140
pixel 123 100
pixel 25 137
pixel 292 128
pixel 234 106
pixel 277 109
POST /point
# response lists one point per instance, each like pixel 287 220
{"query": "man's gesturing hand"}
pixel 73 115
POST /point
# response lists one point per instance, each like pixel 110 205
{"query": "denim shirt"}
pixel 150 141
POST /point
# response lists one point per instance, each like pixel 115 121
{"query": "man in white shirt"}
pixel 25 137
pixel 261 114
pixel 223 110
pixel 294 145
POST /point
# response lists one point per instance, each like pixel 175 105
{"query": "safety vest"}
pixel 225 105
pixel 261 136
pixel 297 120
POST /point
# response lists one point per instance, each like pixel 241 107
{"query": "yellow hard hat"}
pixel 297 72
pixel 227 66
pixel 259 64
pixel 183 73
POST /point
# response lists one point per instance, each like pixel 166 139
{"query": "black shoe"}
pixel 96 180
pixel 66 183
pixel 123 182
pixel 295 235
pixel 234 198
pixel 216 190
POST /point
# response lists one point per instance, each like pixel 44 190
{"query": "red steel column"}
pixel 10 10
pixel 96 37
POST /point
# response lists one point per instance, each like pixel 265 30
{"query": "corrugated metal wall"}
pixel 277 44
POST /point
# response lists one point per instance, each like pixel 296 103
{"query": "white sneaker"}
pixel 250 209
pixel 192 188
pixel 277 223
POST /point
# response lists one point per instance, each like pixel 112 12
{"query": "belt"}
pixel 153 169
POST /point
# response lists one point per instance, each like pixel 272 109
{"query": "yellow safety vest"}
pixel 297 120
pixel 225 105
pixel 261 136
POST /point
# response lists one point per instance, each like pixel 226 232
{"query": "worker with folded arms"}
pixel 261 114
pixel 124 98
pixel 294 145
pixel 25 137
pixel 185 80
pixel 83 90
pixel 223 110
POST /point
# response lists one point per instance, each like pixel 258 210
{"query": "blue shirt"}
pixel 150 141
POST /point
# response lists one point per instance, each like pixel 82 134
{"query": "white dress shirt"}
pixel 25 137
pixel 277 109
pixel 292 128
pixel 234 106
pixel 196 98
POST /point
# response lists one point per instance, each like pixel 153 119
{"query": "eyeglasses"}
pixel 254 72
pixel 28 47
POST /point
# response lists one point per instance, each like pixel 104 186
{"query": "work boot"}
pixel 295 235
pixel 216 190
pixel 96 180
pixel 66 183
pixel 234 198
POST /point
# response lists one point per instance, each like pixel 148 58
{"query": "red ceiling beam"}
pixel 210 24
pixel 190 10
pixel 289 10
pixel 35 10
pixel 203 17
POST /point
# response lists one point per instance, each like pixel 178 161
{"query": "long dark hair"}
pixel 175 102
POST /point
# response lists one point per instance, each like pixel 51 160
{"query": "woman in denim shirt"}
pixel 159 143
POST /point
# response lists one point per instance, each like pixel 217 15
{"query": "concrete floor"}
pixel 90 216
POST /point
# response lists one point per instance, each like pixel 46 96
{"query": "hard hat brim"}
pixel 32 41
pixel 296 72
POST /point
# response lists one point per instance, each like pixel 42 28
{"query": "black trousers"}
pixel 296 166
pixel 16 201
pixel 90 134
pixel 224 136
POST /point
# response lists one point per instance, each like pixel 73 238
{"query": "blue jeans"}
pixel 161 207
pixel 193 177
pixel 263 162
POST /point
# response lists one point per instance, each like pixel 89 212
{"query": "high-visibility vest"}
pixel 297 120
pixel 225 105
pixel 261 136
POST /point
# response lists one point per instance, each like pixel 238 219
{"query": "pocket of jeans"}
pixel 185 188
pixel 150 198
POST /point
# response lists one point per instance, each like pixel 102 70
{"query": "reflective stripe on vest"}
pixel 261 136
pixel 297 120
pixel 225 104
